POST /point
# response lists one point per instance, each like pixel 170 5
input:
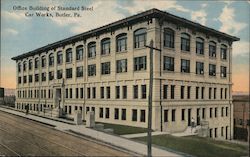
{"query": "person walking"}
pixel 192 124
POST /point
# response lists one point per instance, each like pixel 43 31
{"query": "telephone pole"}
pixel 150 97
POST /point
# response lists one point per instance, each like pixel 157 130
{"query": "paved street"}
pixel 23 137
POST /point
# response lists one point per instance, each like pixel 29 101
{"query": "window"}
pixel 105 68
pixel 140 63
pixel 140 37
pixel 215 112
pixel 51 75
pixel 105 46
pixel 223 72
pixel 93 92
pixel 165 115
pixel 30 78
pixel 36 77
pixel 135 88
pixel 222 131
pixel 102 92
pixel 70 93
pixel 142 118
pixel 79 53
pixel 30 64
pixel 185 66
pixel 59 57
pixel 92 70
pixel 168 63
pixel 165 91
pixel 19 67
pixel 59 74
pixel 173 115
pixel 117 92
pixel 183 114
pixel 77 93
pixel 108 92
pixel 210 133
pixel 88 91
pixel 221 93
pixel 188 92
pixel 24 66
pixel 121 66
pixel 168 38
pixel 211 112
pixel 215 132
pixel 222 111
pixel 182 92
pixel 225 93
pixel 143 91
pixel 212 49
pixel 210 93
pixel 124 92
pixel 200 68
pixel 51 59
pixel 203 113
pixel 202 92
pixel 226 111
pixel 69 55
pixel 223 52
pixel 185 42
pixel 121 42
pixel 79 71
pixel 123 114
pixel 116 113
pixel 81 92
pixel 36 63
pixel 134 115
pixel 100 112
pixel 200 46
pixel 215 90
pixel 69 73
pixel 91 50
pixel 197 93
pixel 107 113
pixel 43 61
pixel 43 76
pixel 212 70
pixel 172 91
pixel 24 79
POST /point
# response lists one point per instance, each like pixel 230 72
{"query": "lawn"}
pixel 123 130
pixel 198 146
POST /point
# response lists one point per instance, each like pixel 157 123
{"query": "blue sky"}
pixel 20 34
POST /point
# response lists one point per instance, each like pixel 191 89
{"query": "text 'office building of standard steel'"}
pixel 106 70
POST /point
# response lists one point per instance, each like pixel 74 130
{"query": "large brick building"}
pixel 107 70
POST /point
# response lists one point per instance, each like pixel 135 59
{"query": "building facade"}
pixel 106 70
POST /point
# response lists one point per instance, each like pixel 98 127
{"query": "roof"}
pixel 152 13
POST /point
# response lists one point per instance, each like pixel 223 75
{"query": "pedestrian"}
pixel 192 124
pixel 27 109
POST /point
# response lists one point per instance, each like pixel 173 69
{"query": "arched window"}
pixel 212 49
pixel 223 52
pixel 43 61
pixel 91 49
pixel 79 52
pixel 51 59
pixel 36 62
pixel 140 37
pixel 185 42
pixel 121 42
pixel 168 38
pixel 59 57
pixel 30 64
pixel 105 46
pixel 200 45
pixel 19 67
pixel 69 55
pixel 24 66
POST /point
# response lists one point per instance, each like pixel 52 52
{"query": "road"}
pixel 23 137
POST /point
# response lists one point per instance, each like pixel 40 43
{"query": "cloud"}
pixel 17 16
pixel 10 31
pixel 240 48
pixel 229 24
pixel 199 16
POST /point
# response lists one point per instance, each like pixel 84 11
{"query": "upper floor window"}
pixel 121 42
pixel 69 73
pixel 36 77
pixel 223 71
pixel 43 61
pixel 200 68
pixel 212 49
pixel 36 63
pixel 79 71
pixel 140 38
pixel 185 42
pixel 19 67
pixel 79 52
pixel 140 63
pixel 30 64
pixel 168 63
pixel 212 70
pixel 92 70
pixel 168 38
pixel 185 66
pixel 223 52
pixel 199 46
pixel 69 55
pixel 59 74
pixel 59 57
pixel 51 59
pixel 121 66
pixel 24 66
pixel 43 76
pixel 51 75
pixel 19 80
pixel 91 49
pixel 105 68
pixel 105 49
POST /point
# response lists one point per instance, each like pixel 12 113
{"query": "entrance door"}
pixel 189 117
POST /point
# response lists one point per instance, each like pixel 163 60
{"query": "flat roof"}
pixel 152 13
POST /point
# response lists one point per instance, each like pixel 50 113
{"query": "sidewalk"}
pixel 101 136
pixel 144 134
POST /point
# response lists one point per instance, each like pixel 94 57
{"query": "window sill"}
pixel 92 57
pixel 120 52
pixel 169 48
pixel 105 55
pixel 140 48
pixel 186 73
pixel 184 51
pixel 200 55
pixel 223 78
pixel 105 74
pixel 168 71
pixel 212 57
pixel 139 71
pixel 200 75
pixel 223 60
pixel 92 76
pixel 80 60
pixel 121 72
pixel 212 76
pixel 69 62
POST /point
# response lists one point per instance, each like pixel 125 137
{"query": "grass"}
pixel 198 146
pixel 123 129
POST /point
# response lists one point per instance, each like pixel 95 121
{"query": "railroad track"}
pixel 9 149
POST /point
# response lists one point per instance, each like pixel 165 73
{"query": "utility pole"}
pixel 150 97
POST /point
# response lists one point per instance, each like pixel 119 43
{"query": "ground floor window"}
pixel 123 114
pixel 142 116
pixel 101 112
pixel 134 115
pixel 116 113
pixel 210 133
pixel 165 115
pixel 107 113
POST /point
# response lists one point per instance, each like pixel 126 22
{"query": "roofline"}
pixel 152 13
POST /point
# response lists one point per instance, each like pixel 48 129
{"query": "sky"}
pixel 21 33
